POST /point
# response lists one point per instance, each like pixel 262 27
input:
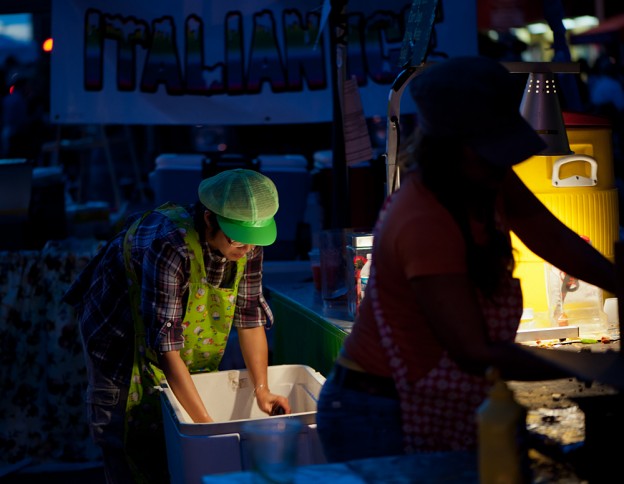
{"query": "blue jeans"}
pixel 355 425
pixel 106 414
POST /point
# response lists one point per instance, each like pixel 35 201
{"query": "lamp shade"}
pixel 540 107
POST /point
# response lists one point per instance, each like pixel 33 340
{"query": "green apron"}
pixel 206 327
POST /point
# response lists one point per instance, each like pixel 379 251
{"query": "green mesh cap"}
pixel 245 202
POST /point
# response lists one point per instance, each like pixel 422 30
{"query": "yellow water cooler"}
pixel 580 190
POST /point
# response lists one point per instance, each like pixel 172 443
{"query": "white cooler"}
pixel 293 180
pixel 176 178
pixel 195 450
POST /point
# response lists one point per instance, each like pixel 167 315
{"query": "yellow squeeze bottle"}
pixel 502 433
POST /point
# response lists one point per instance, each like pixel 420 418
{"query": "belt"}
pixel 379 386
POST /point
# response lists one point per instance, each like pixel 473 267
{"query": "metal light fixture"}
pixel 540 107
pixel 540 103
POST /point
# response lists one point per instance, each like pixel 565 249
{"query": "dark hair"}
pixel 438 161
pixel 200 223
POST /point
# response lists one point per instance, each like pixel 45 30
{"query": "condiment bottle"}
pixel 365 273
pixel 502 432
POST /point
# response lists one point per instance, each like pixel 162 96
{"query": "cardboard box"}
pixel 195 450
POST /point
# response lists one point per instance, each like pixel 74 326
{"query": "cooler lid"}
pixel 571 119
pixel 361 240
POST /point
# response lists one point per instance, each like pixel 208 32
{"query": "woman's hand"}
pixel 271 403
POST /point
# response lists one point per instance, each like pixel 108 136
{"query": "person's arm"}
pixel 252 316
pixel 543 233
pixel 165 283
pixel 255 351
pixel 451 309
pixel 183 387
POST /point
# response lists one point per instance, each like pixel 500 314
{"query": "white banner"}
pixel 227 62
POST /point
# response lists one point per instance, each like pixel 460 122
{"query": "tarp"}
pixel 227 62
pixel 609 30
pixel 23 51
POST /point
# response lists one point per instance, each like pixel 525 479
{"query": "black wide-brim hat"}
pixel 477 100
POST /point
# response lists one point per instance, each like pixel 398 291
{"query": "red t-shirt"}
pixel 416 237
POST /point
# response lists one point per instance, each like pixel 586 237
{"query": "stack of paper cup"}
pixel 611 309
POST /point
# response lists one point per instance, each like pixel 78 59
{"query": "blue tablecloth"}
pixel 439 467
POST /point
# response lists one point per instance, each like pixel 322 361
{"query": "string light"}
pixel 47 45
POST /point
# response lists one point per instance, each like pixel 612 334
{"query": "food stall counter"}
pixel 306 332
pixel 435 467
